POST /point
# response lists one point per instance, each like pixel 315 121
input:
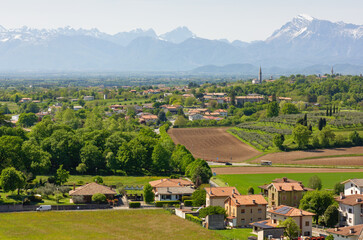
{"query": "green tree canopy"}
pixel 331 216
pixel 148 193
pixel 199 197
pixel 11 179
pixel 61 176
pixel 27 119
pixel 212 210
pixel 292 230
pixel 316 202
pixel 315 183
pixel 273 109
pixel 289 108
pixel 301 135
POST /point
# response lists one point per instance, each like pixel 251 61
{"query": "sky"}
pixel 245 20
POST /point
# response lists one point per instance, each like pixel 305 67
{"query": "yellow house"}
pixel 245 209
pixel 215 196
pixel 285 193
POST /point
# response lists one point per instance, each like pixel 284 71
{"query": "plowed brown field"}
pixel 325 157
pixel 213 143
pixel 261 170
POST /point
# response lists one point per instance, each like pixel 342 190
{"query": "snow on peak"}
pixel 305 17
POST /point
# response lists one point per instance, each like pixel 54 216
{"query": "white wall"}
pixel 350 189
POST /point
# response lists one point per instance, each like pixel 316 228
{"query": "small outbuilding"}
pixel 84 193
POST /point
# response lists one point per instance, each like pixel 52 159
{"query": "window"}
pixel 243 220
pixel 350 220
pixel 251 220
pixel 251 210
pixel 274 221
pixel 259 210
pixel 351 191
pixel 242 211
pixel 295 197
pixel 307 223
pixel 259 219
pixel 350 210
pixel 351 184
pixel 306 233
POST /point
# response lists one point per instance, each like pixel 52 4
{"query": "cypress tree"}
pixel 327 111
pixel 320 124
pixel 330 111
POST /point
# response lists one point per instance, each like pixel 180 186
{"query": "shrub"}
pixel 188 203
pixel 99 198
pixel 211 210
pixel 134 204
pixel 186 198
pixel 198 197
pixel 192 218
pixel 168 203
pixel 98 179
pixel 315 183
pixel 251 190
pixel 148 193
pixel 26 201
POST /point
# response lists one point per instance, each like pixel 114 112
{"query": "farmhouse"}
pixel 217 195
pixel 350 208
pixel 166 182
pixel 285 193
pixel 264 188
pixel 347 233
pixel 193 117
pixel 302 218
pixel 353 186
pixel 84 193
pixel 245 209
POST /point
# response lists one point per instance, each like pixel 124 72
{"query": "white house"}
pixel 347 233
pixel 353 186
pixel 351 209
pixel 88 98
pixel 172 193
pixel 76 108
pixel 195 117
pixel 302 218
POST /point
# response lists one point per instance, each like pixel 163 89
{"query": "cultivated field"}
pixel 213 143
pixel 261 170
pixel 243 181
pixel 336 156
pixel 106 224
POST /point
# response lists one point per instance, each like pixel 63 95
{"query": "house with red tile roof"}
pixel 84 193
pixel 245 209
pixel 302 218
pixel 350 208
pixel 347 233
pixel 215 196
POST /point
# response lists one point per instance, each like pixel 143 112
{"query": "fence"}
pixel 23 208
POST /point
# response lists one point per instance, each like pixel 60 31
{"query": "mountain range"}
pixel 303 45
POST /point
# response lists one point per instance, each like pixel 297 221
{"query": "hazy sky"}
pixel 245 20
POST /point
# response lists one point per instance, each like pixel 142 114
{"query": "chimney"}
pixel 280 188
pixel 336 229
pixel 254 201
pixel 358 200
pixel 233 191
pixel 342 195
pixel 285 179
pixel 74 186
pixel 351 230
pixel 292 187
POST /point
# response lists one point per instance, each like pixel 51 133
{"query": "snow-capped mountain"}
pixel 301 43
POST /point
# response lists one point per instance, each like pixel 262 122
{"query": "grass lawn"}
pixel 236 234
pixel 243 181
pixel 13 107
pixel 110 180
pixel 13 198
pixel 106 224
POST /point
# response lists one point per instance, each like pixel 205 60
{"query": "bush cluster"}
pixel 134 204
pixel 192 218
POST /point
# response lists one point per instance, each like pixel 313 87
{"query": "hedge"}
pixel 192 218
pixel 169 203
pixel 188 203
pixel 134 204
pixel 186 198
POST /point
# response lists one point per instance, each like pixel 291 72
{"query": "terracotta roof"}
pixel 221 191
pixel 356 181
pixel 350 200
pixel 279 180
pixel 290 211
pixel 91 189
pixel 174 190
pixel 248 200
pixel 347 231
pixel 166 182
pixel 288 187
pixel 268 223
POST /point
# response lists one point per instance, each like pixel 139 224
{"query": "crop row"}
pixel 256 139
pixel 268 129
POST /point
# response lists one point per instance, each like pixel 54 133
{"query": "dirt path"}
pixel 260 170
pixel 213 143
pixel 296 157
